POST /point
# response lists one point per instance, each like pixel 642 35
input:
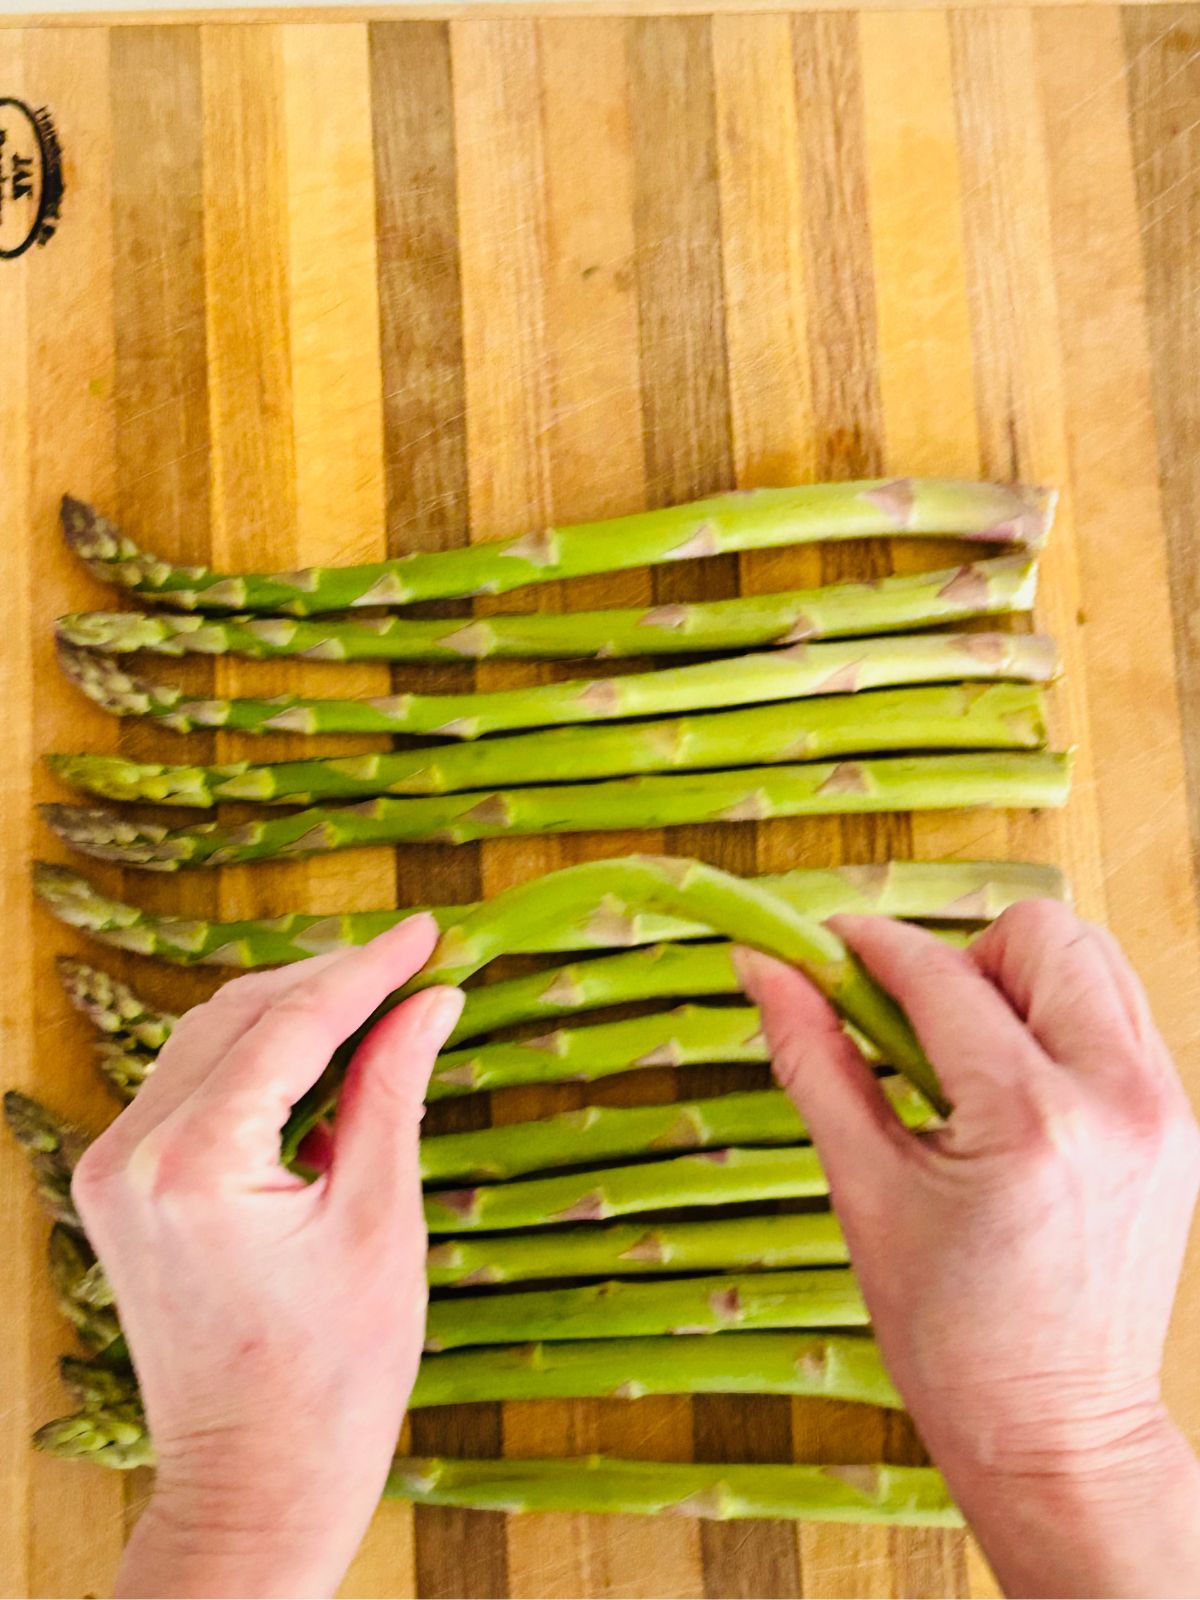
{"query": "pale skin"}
pixel 1020 1264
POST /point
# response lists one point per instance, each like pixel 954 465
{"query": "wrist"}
pixel 1115 1519
pixel 237 1521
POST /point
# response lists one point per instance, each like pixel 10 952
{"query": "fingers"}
pixel 968 1029
pixel 379 1110
pixel 835 1091
pixel 204 1036
pixel 235 1115
pixel 1071 983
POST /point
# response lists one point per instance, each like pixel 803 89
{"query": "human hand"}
pixel 1020 1262
pixel 276 1326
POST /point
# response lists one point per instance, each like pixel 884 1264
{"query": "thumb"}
pixel 383 1097
pixel 856 1131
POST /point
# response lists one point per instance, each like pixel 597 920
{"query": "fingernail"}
pixel 445 1008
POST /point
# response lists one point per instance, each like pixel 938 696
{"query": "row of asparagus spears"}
pixel 534 1200
pixel 616 1321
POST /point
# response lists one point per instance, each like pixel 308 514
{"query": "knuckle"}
pixel 1039 922
pixel 96 1175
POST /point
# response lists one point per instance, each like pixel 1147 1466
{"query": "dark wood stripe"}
pixel 843 352
pixel 160 392
pixel 457 1553
pixel 1163 49
pixel 688 452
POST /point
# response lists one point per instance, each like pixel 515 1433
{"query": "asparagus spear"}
pixel 54 1147
pixel 1003 780
pixel 728 1244
pixel 605 1133
pixel 900 1496
pixel 112 1006
pixel 884 605
pixel 744 520
pixel 958 891
pixel 1004 716
pixel 825 1298
pixel 111 1429
pixel 796 672
pixel 712 1178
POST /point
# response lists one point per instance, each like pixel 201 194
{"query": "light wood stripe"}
pixel 1164 113
pixel 1139 772
pixel 68 299
pixel 1019 381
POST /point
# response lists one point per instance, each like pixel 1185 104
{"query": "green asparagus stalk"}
pixel 956 891
pixel 112 1006
pixel 796 672
pixel 914 1497
pixel 110 1430
pixel 1004 716
pixel 711 1178
pixel 604 1133
pixel 54 1147
pixel 825 1298
pixel 756 519
pixel 885 605
pixel 755 1243
pixel 722 1244
pixel 1002 780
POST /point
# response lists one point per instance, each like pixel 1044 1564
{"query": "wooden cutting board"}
pixel 321 290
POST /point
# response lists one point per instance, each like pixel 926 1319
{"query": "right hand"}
pixel 1019 1263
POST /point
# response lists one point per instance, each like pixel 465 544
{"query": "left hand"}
pixel 276 1326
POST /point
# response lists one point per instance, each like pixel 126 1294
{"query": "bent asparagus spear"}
pixel 1000 780
pixel 900 1496
pixel 756 519
pixel 735 907
pixel 999 716
pixel 884 605
pixel 954 891
pixel 827 1297
pixel 794 673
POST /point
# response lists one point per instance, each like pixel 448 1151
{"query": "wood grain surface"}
pixel 327 289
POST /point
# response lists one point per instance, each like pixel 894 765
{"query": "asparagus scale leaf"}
pixel 754 519
pixel 884 605
pixel 936 891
